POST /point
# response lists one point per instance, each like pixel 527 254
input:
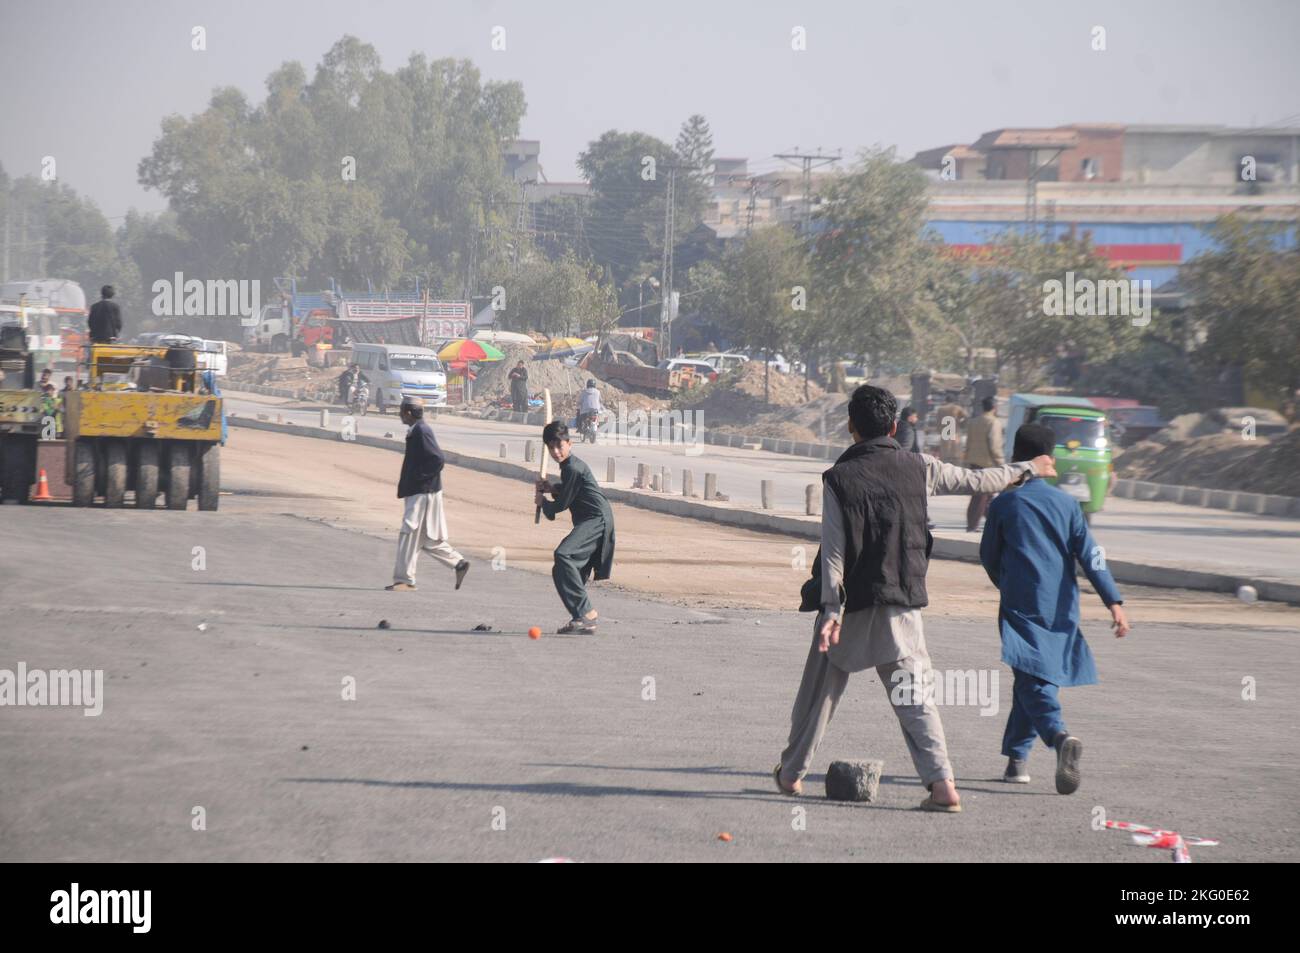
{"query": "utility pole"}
pixel 808 162
pixel 666 281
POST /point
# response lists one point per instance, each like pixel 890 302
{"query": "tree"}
pixel 561 298
pixel 752 292
pixel 628 174
pixel 869 259
pixel 57 233
pixel 1244 297
pixel 695 147
pixel 358 174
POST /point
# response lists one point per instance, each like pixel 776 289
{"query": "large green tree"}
pixel 358 174
pixel 1245 296
pixel 56 233
pixel 869 258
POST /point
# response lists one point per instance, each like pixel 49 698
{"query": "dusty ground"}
pixel 685 562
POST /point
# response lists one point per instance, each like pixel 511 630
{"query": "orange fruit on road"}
pixel 534 633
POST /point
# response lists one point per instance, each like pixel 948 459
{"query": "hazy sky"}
pixel 88 81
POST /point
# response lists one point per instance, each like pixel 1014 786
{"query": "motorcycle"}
pixel 588 425
pixel 358 398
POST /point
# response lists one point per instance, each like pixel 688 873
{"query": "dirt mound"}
pixel 736 399
pixel 564 383
pixel 767 428
pixel 1219 461
pixel 280 370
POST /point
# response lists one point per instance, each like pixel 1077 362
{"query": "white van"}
pixel 396 371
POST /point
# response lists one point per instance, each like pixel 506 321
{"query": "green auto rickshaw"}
pixel 1084 464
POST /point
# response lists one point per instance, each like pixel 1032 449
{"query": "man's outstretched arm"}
pixel 945 478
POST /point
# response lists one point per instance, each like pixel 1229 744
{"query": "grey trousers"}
pixel 819 694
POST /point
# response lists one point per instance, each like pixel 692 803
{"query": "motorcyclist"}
pixel 588 404
pixel 346 380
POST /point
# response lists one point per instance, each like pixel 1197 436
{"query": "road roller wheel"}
pixel 17 468
pixel 83 472
pixel 146 475
pixel 114 472
pixel 178 474
pixel 209 464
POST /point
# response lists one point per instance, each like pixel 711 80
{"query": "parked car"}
pixel 723 362
pixel 700 368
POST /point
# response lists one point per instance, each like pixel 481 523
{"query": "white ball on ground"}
pixel 1247 593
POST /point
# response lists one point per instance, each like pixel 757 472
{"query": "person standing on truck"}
pixel 519 387
pixel 983 449
pixel 105 320
pixel 424 524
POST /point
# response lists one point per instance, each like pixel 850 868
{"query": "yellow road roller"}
pixel 143 421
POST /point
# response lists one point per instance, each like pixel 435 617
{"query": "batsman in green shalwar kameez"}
pixel 590 546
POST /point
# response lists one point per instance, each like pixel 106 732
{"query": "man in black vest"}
pixel 869 587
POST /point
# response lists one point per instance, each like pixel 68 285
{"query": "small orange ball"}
pixel 534 633
pixel 724 836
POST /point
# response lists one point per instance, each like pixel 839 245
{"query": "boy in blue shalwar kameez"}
pixel 1031 540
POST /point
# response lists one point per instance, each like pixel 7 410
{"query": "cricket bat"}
pixel 546 457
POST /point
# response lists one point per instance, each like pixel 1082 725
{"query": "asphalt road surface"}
pixel 223 700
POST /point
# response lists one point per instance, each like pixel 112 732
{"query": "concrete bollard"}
pixel 503 451
pixel 853 780
pixel 324 418
pixel 688 483
pixel 642 476
pixel 279 418
pixel 766 489
pixel 812 500
pixel 666 480
pixel 654 482
pixel 710 485
pixel 529 451
pixel 609 470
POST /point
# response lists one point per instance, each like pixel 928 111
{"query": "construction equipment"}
pixel 21 414
pixel 145 421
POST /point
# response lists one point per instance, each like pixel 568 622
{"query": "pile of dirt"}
pixel 736 398
pixel 762 427
pixel 1267 423
pixel 1219 461
pixel 819 421
pixel 564 383
pixel 280 370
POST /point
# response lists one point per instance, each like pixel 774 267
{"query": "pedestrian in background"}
pixel 907 436
pixel 983 449
pixel 424 523
pixel 518 378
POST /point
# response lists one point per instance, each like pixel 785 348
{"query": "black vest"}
pixel 883 494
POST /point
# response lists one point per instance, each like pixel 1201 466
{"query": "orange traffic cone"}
pixel 43 488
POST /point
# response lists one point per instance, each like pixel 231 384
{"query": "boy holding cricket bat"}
pixel 590 545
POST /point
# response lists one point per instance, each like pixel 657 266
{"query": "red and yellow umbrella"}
pixel 468 350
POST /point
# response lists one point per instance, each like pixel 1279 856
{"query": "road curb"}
pixel 1237 501
pixel 804 527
